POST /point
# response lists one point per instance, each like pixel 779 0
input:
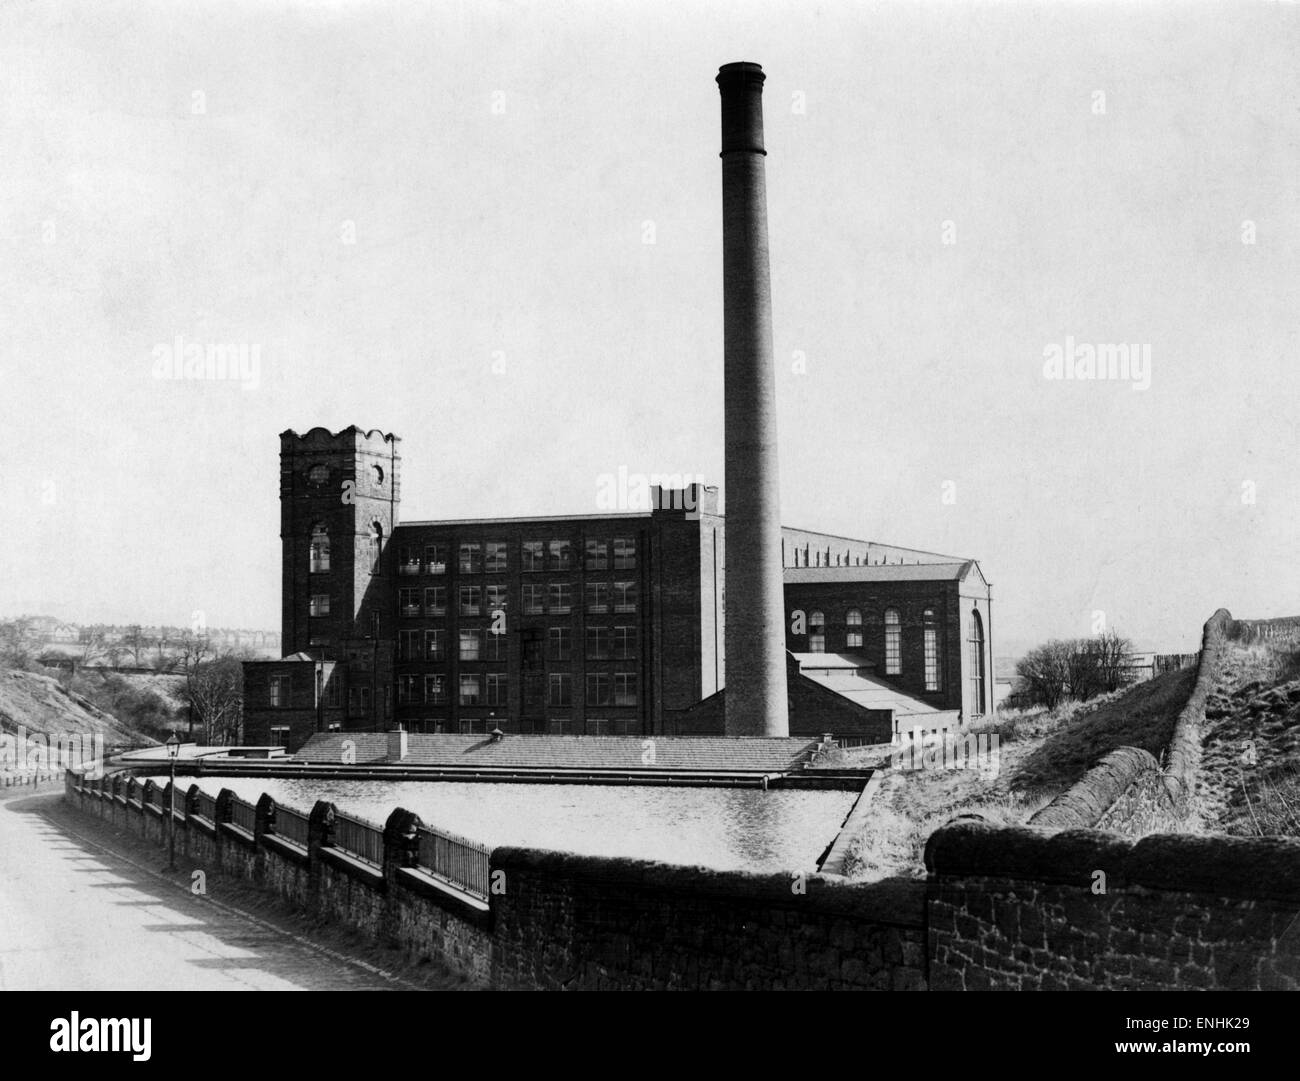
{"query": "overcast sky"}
pixel 434 221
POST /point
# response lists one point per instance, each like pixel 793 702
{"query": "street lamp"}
pixel 173 749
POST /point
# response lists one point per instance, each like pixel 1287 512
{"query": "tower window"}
pixel 893 643
pixel 320 550
pixel 280 687
pixel 376 546
pixel 320 604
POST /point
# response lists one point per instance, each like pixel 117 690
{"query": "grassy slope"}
pixel 39 704
pixel 1040 755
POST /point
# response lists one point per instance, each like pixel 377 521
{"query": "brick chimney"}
pixel 755 615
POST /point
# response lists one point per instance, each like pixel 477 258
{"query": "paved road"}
pixel 75 916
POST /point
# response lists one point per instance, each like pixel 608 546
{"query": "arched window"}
pixel 976 643
pixel 853 636
pixel 933 682
pixel 320 549
pixel 893 643
pixel 376 546
pixel 816 632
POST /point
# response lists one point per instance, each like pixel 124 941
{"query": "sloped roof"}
pixel 739 754
pixel 851 678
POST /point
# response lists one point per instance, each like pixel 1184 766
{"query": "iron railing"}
pixel 291 825
pixel 359 838
pixel 207 806
pixel 243 815
pixel 462 862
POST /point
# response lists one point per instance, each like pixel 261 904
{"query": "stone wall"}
pixel 1023 909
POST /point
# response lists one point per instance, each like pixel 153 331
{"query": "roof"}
pixel 744 754
pixel 882 572
pixel 851 678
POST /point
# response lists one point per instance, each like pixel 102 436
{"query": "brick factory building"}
pixel 609 624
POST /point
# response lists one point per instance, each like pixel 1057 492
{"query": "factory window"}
pixel 495 598
pixel 320 604
pixel 408 645
pixel 624 643
pixel 435 558
pixel 471 645
pixel 405 690
pixel 494 646
pixel 977 664
pixel 597 726
pixel 360 699
pixel 597 555
pixel 470 690
pixel 560 726
pixel 408 561
pixel 561 689
pixel 408 602
pixel 893 643
pixel 624 553
pixel 625 688
pixel 534 600
pixel 531 649
pixel 561 597
pixel 333 691
pixel 497 686
pixel 280 686
pixel 435 645
pixel 627 726
pixel 435 601
pixel 471 559
pixel 562 556
pixel 816 632
pixel 533 558
pixel 559 641
pixel 471 602
pixel 496 557
pixel 932 681
pixel 597 643
pixel 624 596
pixel 853 636
pixel 597 596
pixel 279 735
pixel 320 550
pixel 435 690
pixel 598 689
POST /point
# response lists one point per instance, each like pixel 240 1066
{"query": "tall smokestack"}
pixel 755 613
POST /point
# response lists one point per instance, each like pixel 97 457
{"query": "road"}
pixel 75 915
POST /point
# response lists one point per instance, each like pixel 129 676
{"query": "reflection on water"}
pixel 724 828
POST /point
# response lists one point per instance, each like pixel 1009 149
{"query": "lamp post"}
pixel 173 749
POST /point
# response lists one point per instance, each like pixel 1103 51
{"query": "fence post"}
pixel 401 849
pixel 320 834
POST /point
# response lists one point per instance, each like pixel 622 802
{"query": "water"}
pixel 722 828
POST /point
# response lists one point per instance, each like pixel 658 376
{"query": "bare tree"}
pixel 136 643
pixel 91 647
pixel 214 691
pixel 1043 672
pixel 17 643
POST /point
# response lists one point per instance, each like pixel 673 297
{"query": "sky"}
pixel 495 230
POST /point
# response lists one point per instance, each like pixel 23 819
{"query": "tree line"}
pixel 1074 667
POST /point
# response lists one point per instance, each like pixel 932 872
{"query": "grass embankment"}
pixel 1040 754
pixel 1249 781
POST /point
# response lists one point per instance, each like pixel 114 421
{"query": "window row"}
pixel 492 689
pixel 477 644
pixel 492 557
pixel 893 640
pixel 368 552
pixel 535 599
pixel 556 726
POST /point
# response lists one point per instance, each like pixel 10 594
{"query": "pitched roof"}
pixel 851 678
pixel 737 754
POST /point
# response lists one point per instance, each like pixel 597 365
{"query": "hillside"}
pixel 40 703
